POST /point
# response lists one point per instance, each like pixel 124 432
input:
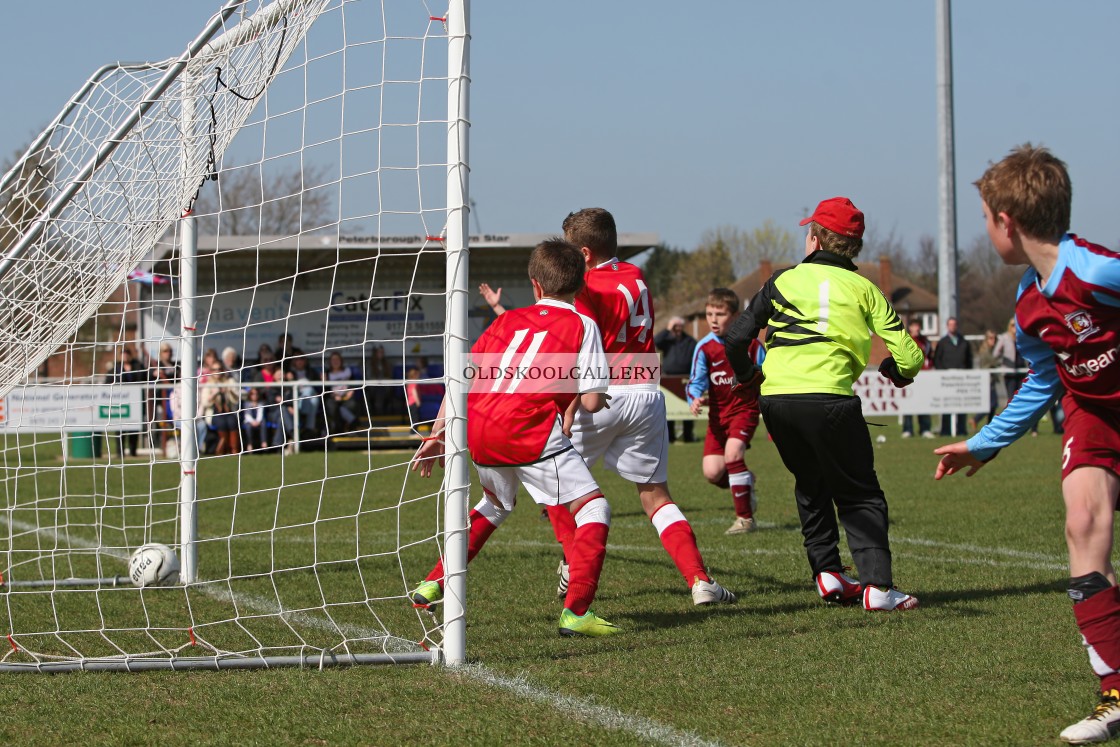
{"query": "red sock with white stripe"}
pixel 482 520
pixel 1098 618
pixel 679 541
pixel 586 552
pixel 742 484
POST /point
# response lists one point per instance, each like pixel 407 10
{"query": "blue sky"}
pixel 682 117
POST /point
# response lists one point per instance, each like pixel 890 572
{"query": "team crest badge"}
pixel 1081 324
pixel 544 312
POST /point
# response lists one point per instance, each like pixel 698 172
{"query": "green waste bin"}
pixel 85 445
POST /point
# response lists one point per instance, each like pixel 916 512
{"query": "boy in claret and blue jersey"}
pixel 732 419
pixel 1067 318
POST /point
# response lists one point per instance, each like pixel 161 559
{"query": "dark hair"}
pixel 1032 186
pixel 592 228
pixel 724 297
pixel 558 266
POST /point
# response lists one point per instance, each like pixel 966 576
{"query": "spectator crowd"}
pixel 280 397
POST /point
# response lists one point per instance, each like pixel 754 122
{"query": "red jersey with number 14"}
pixel 509 423
pixel 615 295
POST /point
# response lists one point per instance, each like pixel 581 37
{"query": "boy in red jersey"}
pixel 732 418
pixel 515 429
pixel 1067 316
pixel 631 437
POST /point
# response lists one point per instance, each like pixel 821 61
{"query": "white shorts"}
pixel 551 482
pixel 631 437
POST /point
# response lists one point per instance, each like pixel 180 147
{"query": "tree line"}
pixel 986 286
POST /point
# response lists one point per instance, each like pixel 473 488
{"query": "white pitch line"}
pixel 586 710
pixel 581 709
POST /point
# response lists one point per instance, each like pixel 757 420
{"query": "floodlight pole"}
pixel 947 181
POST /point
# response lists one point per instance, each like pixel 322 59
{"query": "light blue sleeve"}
pixel 1101 270
pixel 698 379
pixel 761 355
pixel 1029 404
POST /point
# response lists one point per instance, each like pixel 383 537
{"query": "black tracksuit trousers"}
pixel 824 442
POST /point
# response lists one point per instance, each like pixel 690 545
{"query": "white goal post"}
pixel 226 279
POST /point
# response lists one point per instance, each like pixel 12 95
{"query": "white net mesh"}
pixel 310 139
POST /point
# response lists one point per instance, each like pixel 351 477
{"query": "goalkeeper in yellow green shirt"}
pixel 820 315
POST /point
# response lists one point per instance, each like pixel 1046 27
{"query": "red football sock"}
pixel 679 541
pixel 480 531
pixel 587 550
pixel 563 525
pixel 742 483
pixel 1098 617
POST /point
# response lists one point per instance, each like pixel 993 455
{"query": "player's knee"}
pixel 713 473
pixel 1084 587
pixel 596 510
pixel 493 510
pixel 1083 524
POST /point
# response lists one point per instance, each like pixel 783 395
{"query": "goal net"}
pixel 232 297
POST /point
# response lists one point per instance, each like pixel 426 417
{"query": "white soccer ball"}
pixel 881 439
pixel 153 565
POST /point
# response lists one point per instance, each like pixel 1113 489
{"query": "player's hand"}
pixel 569 418
pixel 425 458
pixel 489 295
pixel 696 406
pixel 954 458
pixel 889 369
pixel 747 387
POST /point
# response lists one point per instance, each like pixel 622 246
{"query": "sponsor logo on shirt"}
pixel 1091 366
pixel 1081 324
pixel 721 378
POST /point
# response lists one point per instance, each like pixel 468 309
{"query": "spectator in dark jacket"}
pixel 676 347
pixel 129 370
pixel 953 351
pixel 923 343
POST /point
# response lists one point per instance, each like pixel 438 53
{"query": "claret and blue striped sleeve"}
pixel 698 374
pixel 1028 405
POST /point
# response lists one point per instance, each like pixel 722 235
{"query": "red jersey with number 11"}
pixel 513 423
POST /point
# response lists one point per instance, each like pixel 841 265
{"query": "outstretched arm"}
pixel 493 298
pixel 954 458
pixel 745 329
pixel 1025 409
pixel 432 447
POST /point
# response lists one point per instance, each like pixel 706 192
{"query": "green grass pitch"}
pixel 993 656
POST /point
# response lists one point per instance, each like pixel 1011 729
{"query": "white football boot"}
pixel 838 588
pixel 710 592
pixel 886 600
pixel 1099 726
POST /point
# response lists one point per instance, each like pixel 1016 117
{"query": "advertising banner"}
pixel 77 407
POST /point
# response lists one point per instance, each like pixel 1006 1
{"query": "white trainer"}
pixel 741 526
pixel 1099 726
pixel 562 579
pixel 710 592
pixel 838 588
pixel 886 600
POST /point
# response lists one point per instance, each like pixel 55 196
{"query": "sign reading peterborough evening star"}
pixel 77 407
pixel 933 392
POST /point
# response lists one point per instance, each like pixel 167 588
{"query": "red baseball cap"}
pixel 838 214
